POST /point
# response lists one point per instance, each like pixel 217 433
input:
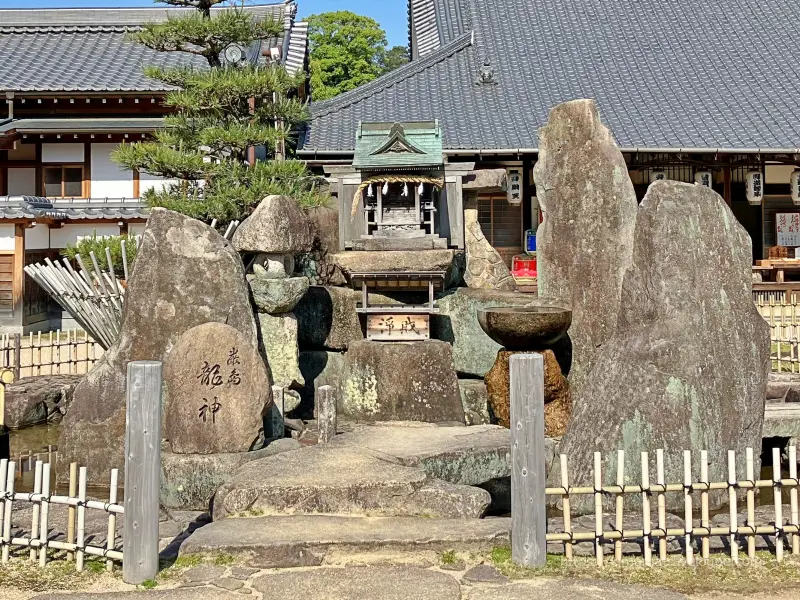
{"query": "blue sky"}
pixel 391 14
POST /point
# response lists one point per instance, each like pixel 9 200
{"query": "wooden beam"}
pixel 87 170
pixel 726 194
pixel 18 284
pixel 136 183
pixel 39 187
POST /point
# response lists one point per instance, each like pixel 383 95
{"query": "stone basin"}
pixel 525 327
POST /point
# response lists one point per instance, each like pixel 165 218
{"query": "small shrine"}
pixel 400 202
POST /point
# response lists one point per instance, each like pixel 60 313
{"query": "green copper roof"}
pixel 398 146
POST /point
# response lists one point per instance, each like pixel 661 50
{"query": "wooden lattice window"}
pixel 63 181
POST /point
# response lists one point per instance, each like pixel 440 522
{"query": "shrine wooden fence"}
pixel 783 317
pixel 54 353
pixel 39 543
pixel 654 534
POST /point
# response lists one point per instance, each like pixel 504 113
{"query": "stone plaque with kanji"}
pixel 217 392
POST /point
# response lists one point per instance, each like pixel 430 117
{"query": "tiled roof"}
pixel 71 50
pixel 82 125
pixel 34 207
pixel 298 48
pixel 435 23
pixel 667 74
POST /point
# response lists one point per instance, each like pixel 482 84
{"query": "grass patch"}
pixel 187 560
pixel 448 557
pixel 224 559
pixel 149 584
pixel 56 575
pixel 715 574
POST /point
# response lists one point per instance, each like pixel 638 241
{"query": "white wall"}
pixel 37 237
pixel 148 182
pixel 62 153
pixel 21 182
pixel 7 236
pixel 108 179
pixel 73 233
pixel 135 229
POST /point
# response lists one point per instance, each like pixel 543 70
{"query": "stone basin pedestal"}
pixel 522 330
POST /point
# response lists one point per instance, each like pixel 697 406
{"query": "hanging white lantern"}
pixel 421 188
pixel 755 187
pixel 385 188
pixel 370 191
pixel 657 176
pixel 704 178
pixel 794 180
pixel 405 190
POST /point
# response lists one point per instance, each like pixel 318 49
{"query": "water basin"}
pixel 525 327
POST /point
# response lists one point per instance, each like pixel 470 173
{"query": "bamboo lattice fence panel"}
pixel 38 542
pixel 654 536
pixel 53 353
pixel 783 318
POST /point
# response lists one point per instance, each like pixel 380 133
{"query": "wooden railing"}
pixel 53 353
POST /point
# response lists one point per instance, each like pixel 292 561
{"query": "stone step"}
pixel 343 480
pixel 307 540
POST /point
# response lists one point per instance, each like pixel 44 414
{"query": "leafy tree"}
pixel 347 50
pixel 394 58
pixel 219 114
pixel 98 245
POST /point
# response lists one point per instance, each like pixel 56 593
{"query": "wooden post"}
pixel 43 526
pixel 142 471
pixel 751 504
pixel 646 541
pixel 17 355
pixel 687 504
pixel 705 521
pixel 793 498
pixel 662 506
pixel 598 508
pixel 71 512
pixel 620 503
pixel 565 507
pixel 733 512
pixel 777 492
pixel 528 510
pixel 326 414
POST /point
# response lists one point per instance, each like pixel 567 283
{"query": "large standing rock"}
pixel 585 241
pixel 185 274
pixel 485 267
pixel 217 392
pixel 277 226
pixel 279 337
pixel 317 264
pixel 391 381
pixel 687 369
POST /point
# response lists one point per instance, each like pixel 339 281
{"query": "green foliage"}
pixel 149 584
pixel 219 115
pixel 98 245
pixel 448 557
pixel 347 50
pixel 394 58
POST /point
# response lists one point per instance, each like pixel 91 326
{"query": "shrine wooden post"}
pixel 528 501
pixel 142 471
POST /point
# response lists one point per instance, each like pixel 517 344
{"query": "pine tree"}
pixel 219 114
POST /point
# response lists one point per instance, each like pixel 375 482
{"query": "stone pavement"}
pixel 210 582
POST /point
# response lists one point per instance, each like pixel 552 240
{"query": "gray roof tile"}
pixel 71 50
pixel 33 207
pixel 668 74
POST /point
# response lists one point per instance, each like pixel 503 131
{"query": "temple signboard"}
pixel 396 327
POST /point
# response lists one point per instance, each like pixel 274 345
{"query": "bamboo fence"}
pixel 27 459
pixel 54 353
pixel 38 542
pixel 655 536
pixel 783 318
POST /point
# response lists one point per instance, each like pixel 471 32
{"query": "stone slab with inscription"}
pixel 217 392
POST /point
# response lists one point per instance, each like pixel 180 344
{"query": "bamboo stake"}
pixel 619 503
pixel 43 528
pixel 793 498
pixel 704 517
pixel 648 549
pixel 565 506
pixel 734 518
pixel 687 504
pixel 81 519
pixel 776 494
pixel 9 502
pixel 37 489
pixel 598 509
pixel 111 536
pixel 39 352
pixel 662 510
pixel 751 504
pixel 3 481
pixel 73 491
